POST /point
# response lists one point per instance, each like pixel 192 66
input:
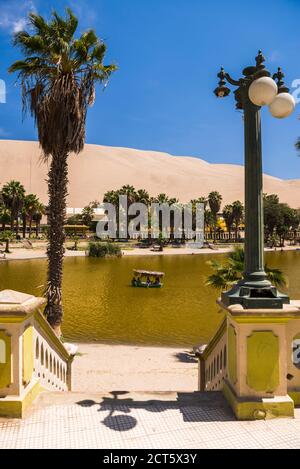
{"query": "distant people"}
pixel 156 281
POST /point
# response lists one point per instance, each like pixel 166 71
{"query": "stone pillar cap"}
pixel 288 310
pixel 14 302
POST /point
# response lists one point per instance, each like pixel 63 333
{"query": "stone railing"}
pixel 32 358
pixel 254 358
pixel 52 362
pixel 213 361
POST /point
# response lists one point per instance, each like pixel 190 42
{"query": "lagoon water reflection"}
pixel 100 305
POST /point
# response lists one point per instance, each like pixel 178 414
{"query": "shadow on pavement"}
pixel 194 407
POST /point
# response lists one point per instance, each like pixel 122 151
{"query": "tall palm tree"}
pixel 143 197
pixel 13 194
pixel 40 211
pixel 161 199
pixel 200 200
pixel 238 213
pixel 87 215
pixel 4 216
pixel 228 218
pixel 231 271
pixel 214 201
pixel 58 76
pixel 130 192
pixel 111 197
pixel 30 206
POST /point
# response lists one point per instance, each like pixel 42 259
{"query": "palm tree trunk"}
pixel 7 246
pixel 17 224
pixel 24 226
pixel 57 191
pixel 30 226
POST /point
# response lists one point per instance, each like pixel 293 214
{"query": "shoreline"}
pixel 32 254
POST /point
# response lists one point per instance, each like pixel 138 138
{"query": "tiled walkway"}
pixel 143 420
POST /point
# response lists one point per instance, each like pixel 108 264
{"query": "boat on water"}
pixel 147 279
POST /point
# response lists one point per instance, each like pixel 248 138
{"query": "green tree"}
pixel 5 216
pixel 238 213
pixel 6 236
pixel 209 220
pixel 40 210
pixel 13 194
pixel 228 218
pixel 30 206
pixel 143 197
pixel 87 215
pixel 214 202
pixel 58 76
pixel 231 271
pixel 272 215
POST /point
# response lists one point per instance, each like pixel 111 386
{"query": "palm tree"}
pixel 143 197
pixel 209 220
pixel 87 215
pixel 200 200
pixel 228 218
pixel 231 271
pixel 13 194
pixel 237 212
pixel 40 210
pixel 130 192
pixel 6 236
pixel 214 201
pixel 161 199
pixel 58 76
pixel 4 216
pixel 30 206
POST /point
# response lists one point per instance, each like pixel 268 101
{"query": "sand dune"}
pixel 99 169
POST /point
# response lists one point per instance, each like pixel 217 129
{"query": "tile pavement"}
pixel 143 420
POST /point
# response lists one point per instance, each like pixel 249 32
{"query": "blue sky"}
pixel 169 52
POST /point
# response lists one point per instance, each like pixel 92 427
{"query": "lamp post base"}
pixel 255 295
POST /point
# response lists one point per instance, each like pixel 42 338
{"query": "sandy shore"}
pixel 100 368
pixel 23 254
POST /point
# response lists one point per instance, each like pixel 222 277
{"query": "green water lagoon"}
pixel 101 306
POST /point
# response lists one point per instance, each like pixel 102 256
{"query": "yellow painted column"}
pixel 259 354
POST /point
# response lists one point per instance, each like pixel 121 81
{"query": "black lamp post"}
pixel 254 89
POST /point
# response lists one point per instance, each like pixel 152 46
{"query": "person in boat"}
pixel 148 281
pixel 156 281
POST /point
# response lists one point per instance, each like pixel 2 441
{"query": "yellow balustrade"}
pixel 254 358
pixel 32 358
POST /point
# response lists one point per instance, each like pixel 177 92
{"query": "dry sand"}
pixel 100 368
pixel 99 169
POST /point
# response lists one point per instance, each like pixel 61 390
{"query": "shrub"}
pixel 98 249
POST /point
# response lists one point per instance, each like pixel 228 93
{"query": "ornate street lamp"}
pixel 255 89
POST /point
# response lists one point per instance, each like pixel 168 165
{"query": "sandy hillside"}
pixel 99 169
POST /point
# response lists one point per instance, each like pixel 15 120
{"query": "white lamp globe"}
pixel 263 91
pixel 282 106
